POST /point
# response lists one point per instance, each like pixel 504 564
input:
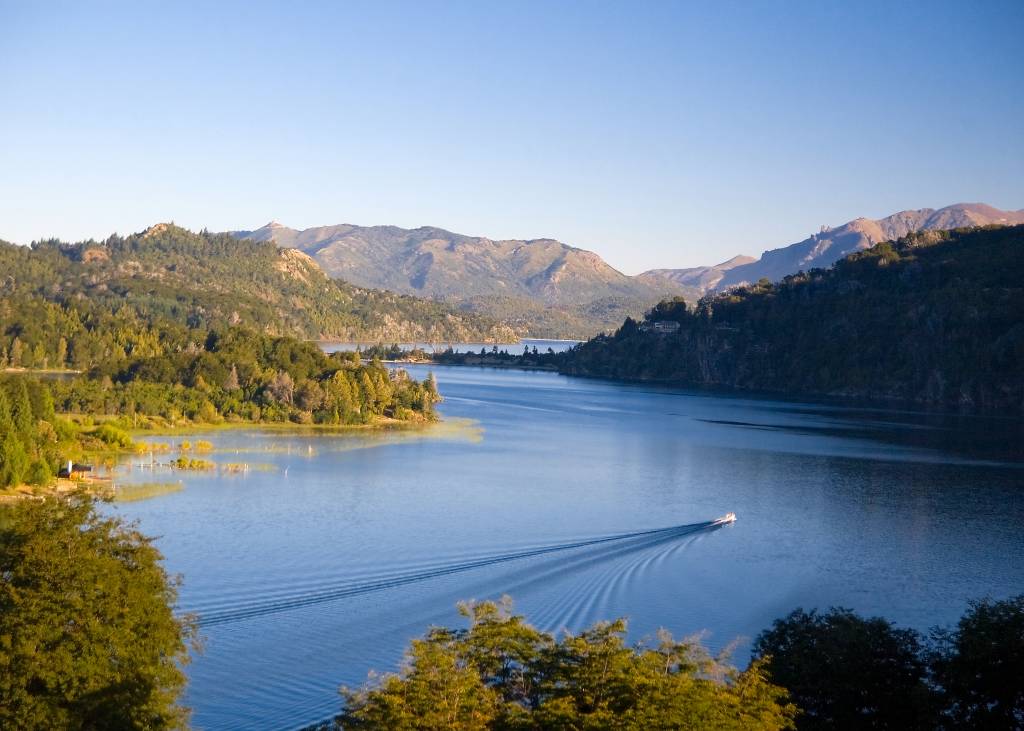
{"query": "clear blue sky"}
pixel 657 134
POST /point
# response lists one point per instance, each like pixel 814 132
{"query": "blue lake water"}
pixel 892 512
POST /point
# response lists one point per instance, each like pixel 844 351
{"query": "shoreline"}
pixel 104 486
pixel 199 427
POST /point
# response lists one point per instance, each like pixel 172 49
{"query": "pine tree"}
pixel 231 382
pixel 16 353
pixel 21 410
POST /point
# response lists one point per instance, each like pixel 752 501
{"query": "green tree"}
pixel 17 352
pixel 502 674
pixel 14 460
pixel 980 666
pixel 847 672
pixel 21 410
pixel 87 636
pixel 436 690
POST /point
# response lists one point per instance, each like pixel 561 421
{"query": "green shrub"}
pixel 113 436
pixel 39 473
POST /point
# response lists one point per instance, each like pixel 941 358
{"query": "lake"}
pixel 322 560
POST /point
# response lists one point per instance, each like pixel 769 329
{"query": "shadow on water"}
pixel 977 440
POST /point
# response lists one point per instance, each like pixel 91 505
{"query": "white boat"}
pixel 727 518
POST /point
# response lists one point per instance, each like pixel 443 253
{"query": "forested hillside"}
pixel 543 287
pixel 830 244
pixel 171 328
pixel 936 317
pixel 203 280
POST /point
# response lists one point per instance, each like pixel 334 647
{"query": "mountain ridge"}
pixel 935 317
pixel 541 267
pixel 829 245
pixel 499 278
pixel 214 279
pixel 551 289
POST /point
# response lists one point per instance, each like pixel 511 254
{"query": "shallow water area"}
pixel 322 564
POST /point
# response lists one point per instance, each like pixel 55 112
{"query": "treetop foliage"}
pixel 936 317
pixel 502 673
pixel 88 639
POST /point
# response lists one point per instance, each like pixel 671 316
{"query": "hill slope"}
pixel 936 318
pixel 205 280
pixel 822 249
pixel 508 278
pixel 701 279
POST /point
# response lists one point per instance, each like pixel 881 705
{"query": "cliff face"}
pixel 938 319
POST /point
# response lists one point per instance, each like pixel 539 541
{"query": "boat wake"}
pixel 613 544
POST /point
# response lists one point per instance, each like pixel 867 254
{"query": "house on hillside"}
pixel 661 327
pixel 74 471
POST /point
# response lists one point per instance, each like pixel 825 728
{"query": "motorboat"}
pixel 727 518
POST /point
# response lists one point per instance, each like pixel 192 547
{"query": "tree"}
pixel 16 353
pixel 668 309
pixel 502 674
pixel 847 672
pixel 21 409
pixel 231 382
pixel 980 666
pixel 42 401
pixel 88 639
pixel 436 690
pixel 14 459
pixel 281 387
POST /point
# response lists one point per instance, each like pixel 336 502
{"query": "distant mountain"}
pixel 702 279
pixel 823 249
pixel 517 280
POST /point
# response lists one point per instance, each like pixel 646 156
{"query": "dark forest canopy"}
pixel 935 318
pixel 170 275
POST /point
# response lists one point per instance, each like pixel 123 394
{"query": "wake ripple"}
pixel 280 603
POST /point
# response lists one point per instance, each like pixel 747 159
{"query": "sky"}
pixel 656 134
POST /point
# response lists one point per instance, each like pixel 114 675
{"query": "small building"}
pixel 665 326
pixel 74 470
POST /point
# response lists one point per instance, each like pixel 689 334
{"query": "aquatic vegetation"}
pixel 243 467
pixel 152 447
pixel 188 463
pixel 128 493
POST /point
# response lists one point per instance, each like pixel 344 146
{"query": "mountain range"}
pixel 703 279
pixel 821 250
pixel 541 286
pixel 545 288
